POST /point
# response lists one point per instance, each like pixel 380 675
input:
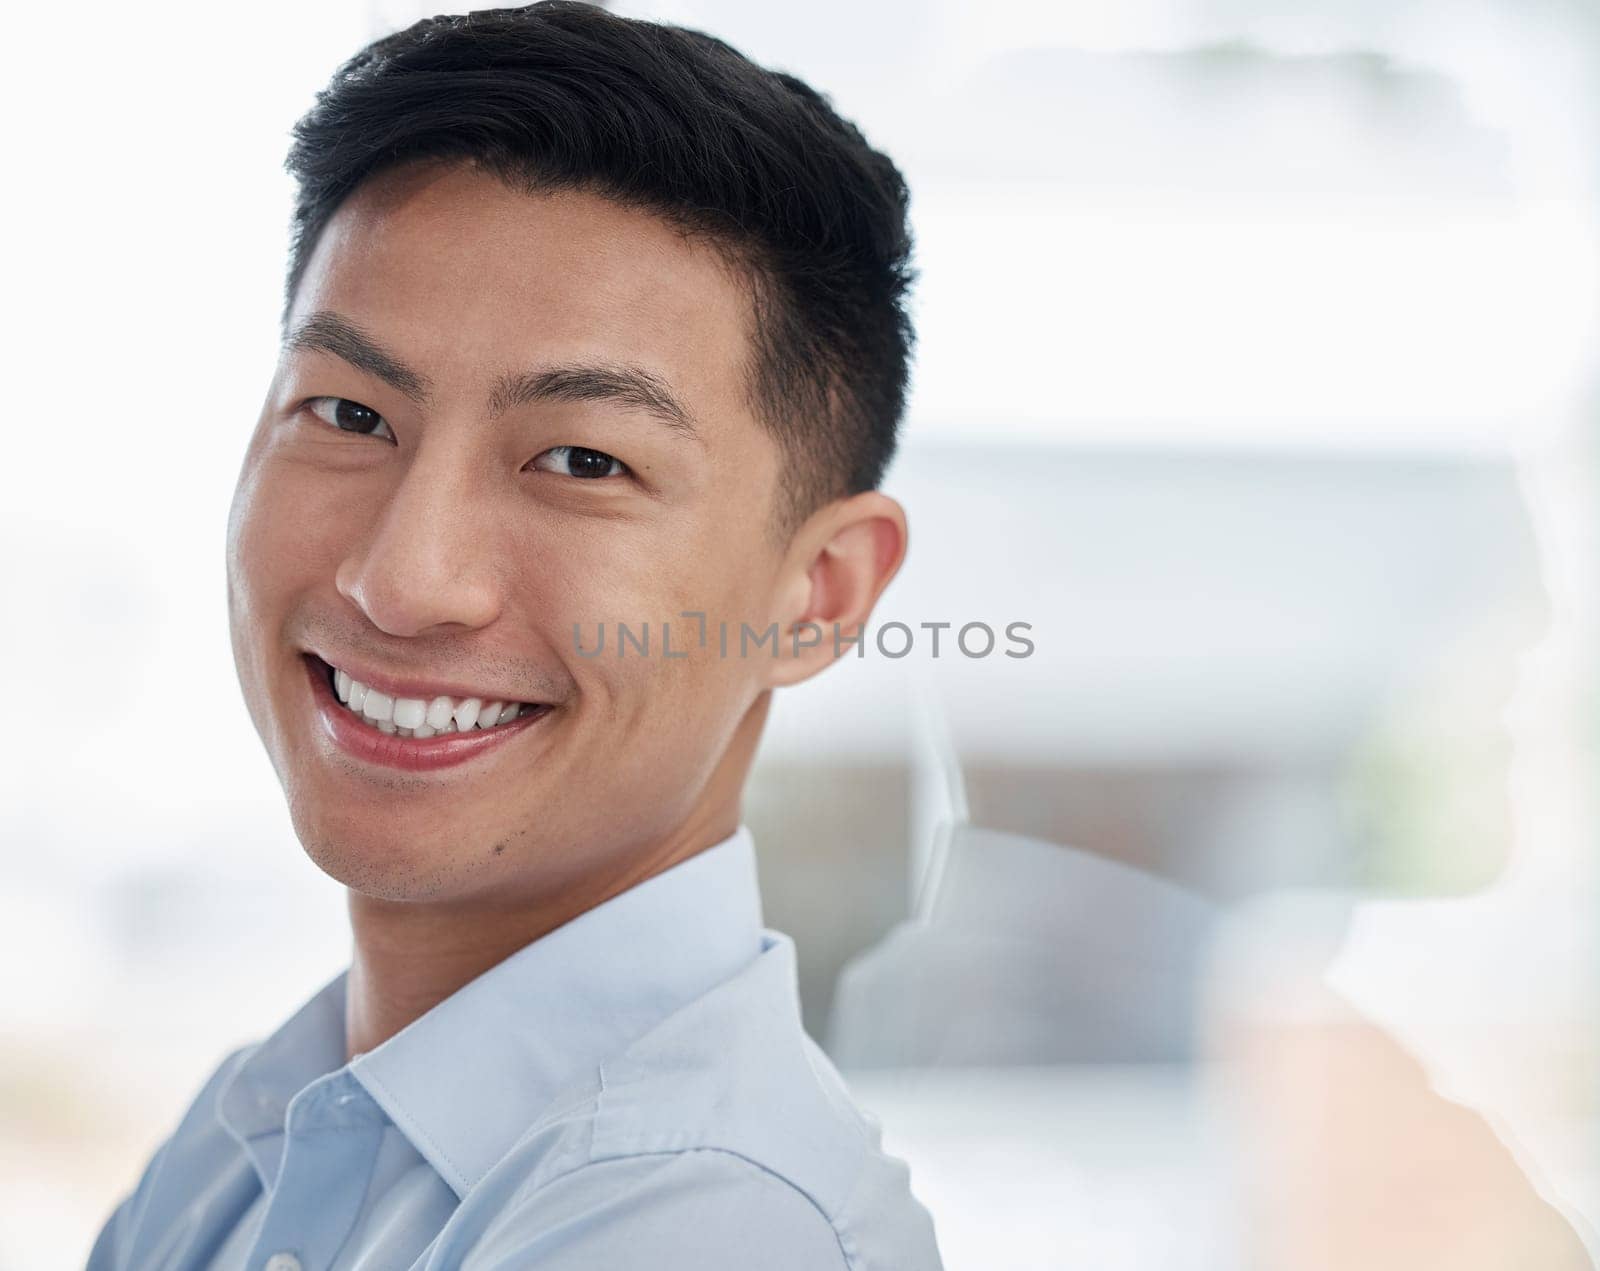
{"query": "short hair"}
pixel 565 96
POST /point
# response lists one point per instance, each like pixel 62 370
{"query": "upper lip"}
pixel 400 686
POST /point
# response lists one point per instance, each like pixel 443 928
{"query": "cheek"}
pixel 681 583
pixel 663 724
pixel 251 554
pixel 250 587
pixel 291 524
pixel 288 528
pixel 660 709
pixel 636 607
pixel 653 576
pixel 584 574
pixel 670 710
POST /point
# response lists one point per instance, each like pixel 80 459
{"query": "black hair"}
pixel 562 95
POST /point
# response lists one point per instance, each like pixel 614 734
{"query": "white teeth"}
pixel 409 711
pixel 417 717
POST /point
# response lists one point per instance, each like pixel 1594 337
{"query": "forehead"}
pixel 470 277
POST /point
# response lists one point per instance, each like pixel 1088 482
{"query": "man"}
pixel 591 324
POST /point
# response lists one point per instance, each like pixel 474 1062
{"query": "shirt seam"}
pixel 782 1181
pixel 457 1178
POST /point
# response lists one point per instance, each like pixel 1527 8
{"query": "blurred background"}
pixel 1248 921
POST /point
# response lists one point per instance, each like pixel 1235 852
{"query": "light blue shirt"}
pixel 633 1090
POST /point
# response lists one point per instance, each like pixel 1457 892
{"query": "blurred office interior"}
pixel 1256 376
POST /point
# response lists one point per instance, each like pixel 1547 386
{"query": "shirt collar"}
pixel 465 1080
pixel 253 1100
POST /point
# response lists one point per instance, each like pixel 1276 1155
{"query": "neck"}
pixel 409 956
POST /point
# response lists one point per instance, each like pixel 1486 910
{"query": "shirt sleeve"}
pixel 696 1210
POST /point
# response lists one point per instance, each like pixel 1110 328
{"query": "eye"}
pixel 579 461
pixel 349 416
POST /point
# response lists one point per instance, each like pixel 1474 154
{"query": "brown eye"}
pixel 579 461
pixel 349 416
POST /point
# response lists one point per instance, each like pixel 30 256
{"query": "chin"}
pixel 368 856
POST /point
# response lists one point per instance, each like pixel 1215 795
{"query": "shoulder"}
pixel 197 1149
pixel 723 1130
pixel 700 1208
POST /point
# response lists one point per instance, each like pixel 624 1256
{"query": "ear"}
pixel 840 561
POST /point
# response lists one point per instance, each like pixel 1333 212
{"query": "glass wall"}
pixel 1202 873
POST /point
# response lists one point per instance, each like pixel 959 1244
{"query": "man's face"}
pixel 428 523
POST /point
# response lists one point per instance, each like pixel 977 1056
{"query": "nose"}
pixel 428 561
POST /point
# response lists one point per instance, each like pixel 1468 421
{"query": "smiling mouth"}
pixel 419 717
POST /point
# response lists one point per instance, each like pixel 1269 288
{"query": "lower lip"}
pixel 411 754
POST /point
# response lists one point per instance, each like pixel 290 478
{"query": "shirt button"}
pixel 282 1262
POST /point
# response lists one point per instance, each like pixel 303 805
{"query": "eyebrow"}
pixel 622 383
pixel 330 333
pixel 626 385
